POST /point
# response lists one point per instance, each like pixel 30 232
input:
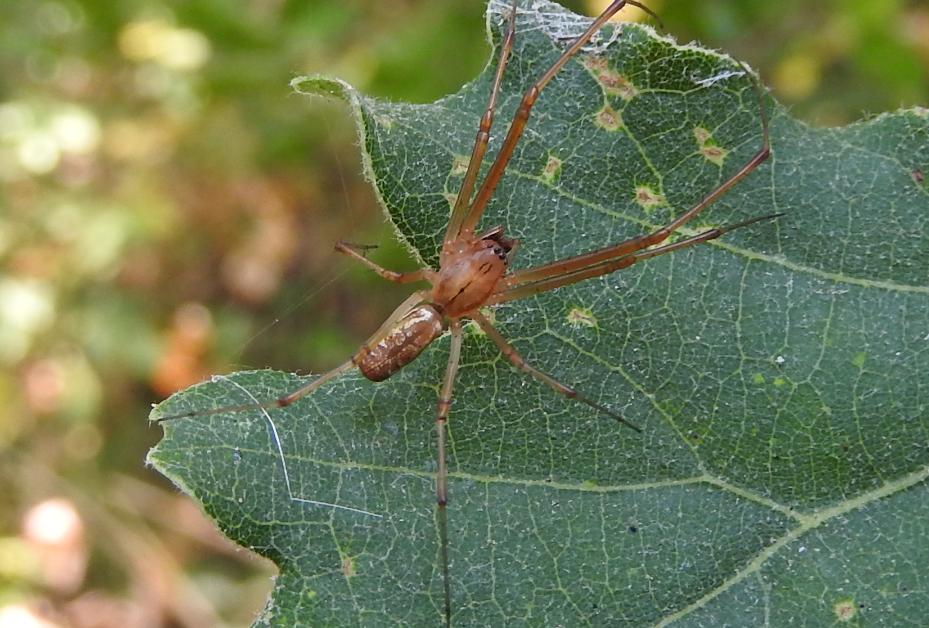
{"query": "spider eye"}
pixel 499 252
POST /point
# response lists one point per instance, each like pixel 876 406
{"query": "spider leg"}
pixel 280 402
pixel 553 281
pixel 354 252
pixel 518 125
pixel 441 478
pixel 615 251
pixel 303 391
pixel 483 135
pixel 510 353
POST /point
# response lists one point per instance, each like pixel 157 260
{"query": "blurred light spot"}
pixel 26 307
pixel 44 385
pixel 76 130
pixel 253 271
pixel 65 383
pixel 915 29
pixel 55 530
pixel 55 18
pixel 797 75
pixel 194 321
pixel 83 442
pixel 38 153
pixel 131 140
pixel 181 362
pixel 626 14
pixel 162 43
pixel 20 616
pixel 100 240
pixel 52 522
pixel 14 117
pixel 36 138
pixel 187 50
pixel 252 277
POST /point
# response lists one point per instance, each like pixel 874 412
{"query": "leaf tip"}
pixel 318 85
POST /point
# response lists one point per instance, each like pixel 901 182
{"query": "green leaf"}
pixel 778 374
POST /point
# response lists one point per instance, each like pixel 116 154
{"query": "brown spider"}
pixel 473 273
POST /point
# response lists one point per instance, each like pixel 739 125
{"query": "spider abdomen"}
pixel 401 344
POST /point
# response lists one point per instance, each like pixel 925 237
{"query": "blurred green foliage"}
pixel 168 208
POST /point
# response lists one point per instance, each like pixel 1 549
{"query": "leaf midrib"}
pixel 807 518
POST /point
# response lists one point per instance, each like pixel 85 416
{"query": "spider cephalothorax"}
pixel 470 271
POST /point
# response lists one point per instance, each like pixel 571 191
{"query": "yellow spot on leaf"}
pixel 579 316
pixel 648 198
pixel 714 154
pixel 708 147
pixel 459 165
pixel 701 135
pixel 758 378
pixel 612 82
pixel 618 85
pixel 609 119
pixel 552 169
pixel 845 610
pixel 348 567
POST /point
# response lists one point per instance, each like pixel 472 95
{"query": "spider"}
pixel 474 273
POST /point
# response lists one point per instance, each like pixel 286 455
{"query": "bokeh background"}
pixel 168 209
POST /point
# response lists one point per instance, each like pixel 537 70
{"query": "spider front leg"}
pixel 510 353
pixel 550 281
pixel 518 125
pixel 601 258
pixel 423 274
pixel 483 134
